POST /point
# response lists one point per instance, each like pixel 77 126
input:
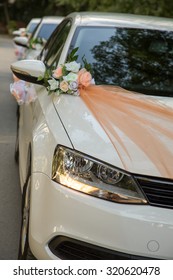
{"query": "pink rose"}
pixel 57 73
pixel 84 77
pixel 64 86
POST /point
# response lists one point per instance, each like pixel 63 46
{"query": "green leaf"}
pixel 40 78
pixel 87 65
pixel 72 56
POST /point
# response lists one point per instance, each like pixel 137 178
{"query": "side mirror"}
pixel 18 32
pixel 29 70
pixel 21 41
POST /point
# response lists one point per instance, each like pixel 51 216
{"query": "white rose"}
pixel 71 77
pixel 53 84
pixel 72 66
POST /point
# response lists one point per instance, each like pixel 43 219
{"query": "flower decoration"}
pixel 23 92
pixel 69 77
pixel 36 43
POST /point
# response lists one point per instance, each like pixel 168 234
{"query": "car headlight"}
pixel 81 173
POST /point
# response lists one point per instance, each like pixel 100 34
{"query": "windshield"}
pixel 32 27
pixel 46 30
pixel 136 59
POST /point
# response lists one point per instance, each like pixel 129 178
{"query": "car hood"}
pixel 147 151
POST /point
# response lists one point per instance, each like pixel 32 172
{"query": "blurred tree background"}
pixel 19 12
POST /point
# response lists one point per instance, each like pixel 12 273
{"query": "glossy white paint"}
pixel 84 130
pixel 48 131
pixel 56 210
pixel 33 53
pixel 33 68
pixel 18 32
pixel 85 133
pixel 24 41
pixel 21 41
pixel 86 140
pixel 129 229
pixel 25 134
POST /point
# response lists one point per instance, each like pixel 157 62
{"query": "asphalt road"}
pixel 10 195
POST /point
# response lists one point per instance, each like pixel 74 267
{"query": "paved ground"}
pixel 10 196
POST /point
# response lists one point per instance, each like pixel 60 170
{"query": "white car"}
pixel 24 33
pixel 34 44
pixel 29 29
pixel 32 25
pixel 96 169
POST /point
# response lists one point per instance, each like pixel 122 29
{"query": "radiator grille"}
pixel 159 192
pixel 67 248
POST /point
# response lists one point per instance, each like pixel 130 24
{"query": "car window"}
pixel 136 59
pixel 54 46
pixel 46 30
pixel 32 27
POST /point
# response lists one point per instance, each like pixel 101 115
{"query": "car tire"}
pixel 16 152
pixel 24 249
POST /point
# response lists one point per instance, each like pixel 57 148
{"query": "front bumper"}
pixel 127 230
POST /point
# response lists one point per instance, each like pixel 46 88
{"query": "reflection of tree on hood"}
pixel 135 59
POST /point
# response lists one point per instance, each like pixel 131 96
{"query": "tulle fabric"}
pixel 134 122
pixel 23 92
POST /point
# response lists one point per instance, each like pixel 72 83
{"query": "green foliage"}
pixel 87 65
pixel 11 26
pixel 73 56
pixel 24 10
pixel 144 7
pixel 68 75
pixel 74 5
pixel 34 41
pixel 45 78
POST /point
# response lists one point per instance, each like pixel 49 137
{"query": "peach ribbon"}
pixel 139 127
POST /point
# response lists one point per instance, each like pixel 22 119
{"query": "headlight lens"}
pixel 81 173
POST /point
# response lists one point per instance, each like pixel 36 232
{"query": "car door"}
pixel 31 114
